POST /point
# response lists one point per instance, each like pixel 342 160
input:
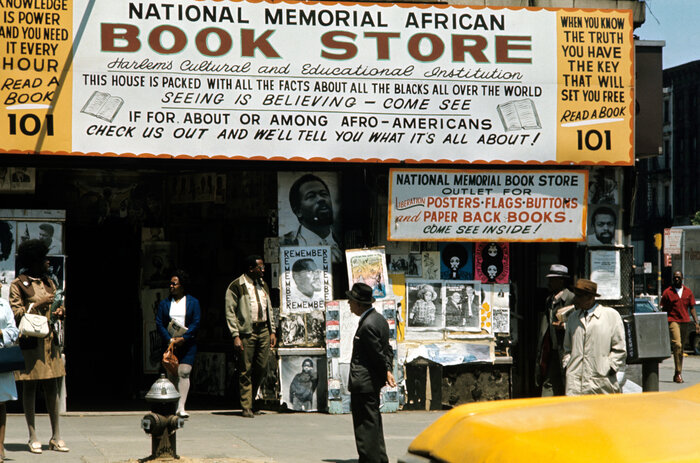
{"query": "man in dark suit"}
pixel 370 369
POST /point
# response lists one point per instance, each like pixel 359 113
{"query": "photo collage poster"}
pixel 306 281
pixel 492 262
pixel 603 207
pixel 303 380
pixel 302 329
pixel 368 266
pixel 309 210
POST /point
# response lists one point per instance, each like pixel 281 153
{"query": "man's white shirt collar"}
pixel 310 238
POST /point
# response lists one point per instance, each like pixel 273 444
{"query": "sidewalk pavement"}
pixel 226 437
pixel 214 437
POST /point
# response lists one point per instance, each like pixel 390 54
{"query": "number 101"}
pixel 30 124
pixel 593 140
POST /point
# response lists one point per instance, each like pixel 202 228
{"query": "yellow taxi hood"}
pixel 604 428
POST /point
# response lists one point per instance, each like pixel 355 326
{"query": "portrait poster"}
pixel 209 374
pixel 158 258
pixel 368 266
pixel 456 261
pixel 492 262
pixel 462 301
pixel 50 233
pixel 425 305
pixel 431 265
pixel 605 271
pixel 602 225
pixel 309 210
pixel 153 346
pixel 603 186
pixel 302 329
pixel 306 281
pixel 303 380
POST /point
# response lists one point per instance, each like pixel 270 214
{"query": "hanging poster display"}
pixel 449 83
pixel 368 266
pixel 306 278
pixel 308 206
pixel 341 325
pixel 492 262
pixel 469 205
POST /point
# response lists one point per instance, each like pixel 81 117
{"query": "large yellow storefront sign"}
pixel 297 81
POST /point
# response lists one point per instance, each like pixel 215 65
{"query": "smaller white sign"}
pixel 672 240
pixel 647 267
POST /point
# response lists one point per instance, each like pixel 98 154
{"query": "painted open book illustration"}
pixel 103 105
pixel 519 115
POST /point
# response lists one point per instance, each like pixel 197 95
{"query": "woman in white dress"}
pixel 8 390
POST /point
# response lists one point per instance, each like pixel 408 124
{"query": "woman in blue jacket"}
pixel 177 321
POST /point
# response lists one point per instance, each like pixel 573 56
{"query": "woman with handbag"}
pixel 33 293
pixel 177 320
pixel 8 390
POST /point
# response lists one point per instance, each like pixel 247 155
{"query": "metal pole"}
pixel 658 276
pixel 650 375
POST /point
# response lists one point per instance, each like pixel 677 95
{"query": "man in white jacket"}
pixel 594 344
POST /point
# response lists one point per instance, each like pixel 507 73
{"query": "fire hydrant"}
pixel 162 422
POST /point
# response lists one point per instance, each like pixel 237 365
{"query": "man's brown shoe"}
pixel 247 413
pixel 677 378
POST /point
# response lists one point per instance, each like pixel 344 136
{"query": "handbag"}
pixel 170 361
pixel 34 325
pixel 11 359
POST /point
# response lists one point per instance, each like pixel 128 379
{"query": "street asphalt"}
pixel 226 437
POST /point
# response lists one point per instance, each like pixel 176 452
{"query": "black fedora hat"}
pixel 361 293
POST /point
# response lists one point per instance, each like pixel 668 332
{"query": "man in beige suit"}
pixel 249 318
pixel 594 344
